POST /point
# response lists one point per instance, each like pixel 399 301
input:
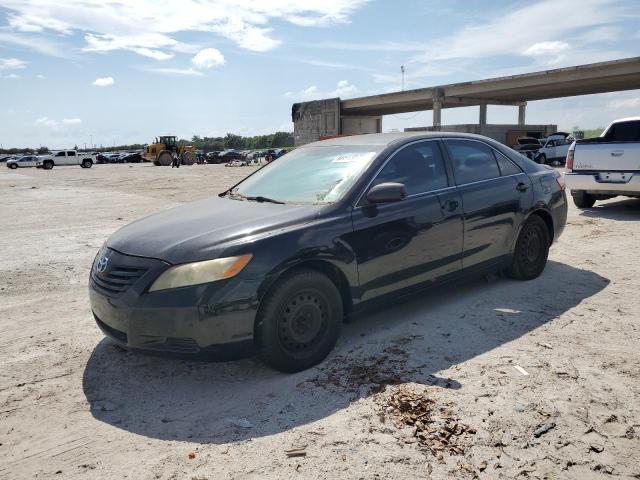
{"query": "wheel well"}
pixel 548 220
pixel 328 269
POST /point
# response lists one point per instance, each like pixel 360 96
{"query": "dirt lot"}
pixel 450 365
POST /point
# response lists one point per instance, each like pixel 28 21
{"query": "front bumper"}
pixel 197 320
pixel 590 183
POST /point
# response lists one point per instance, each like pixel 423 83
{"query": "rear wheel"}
pixel 532 250
pixel 87 163
pixel 299 321
pixel 582 199
pixel 188 158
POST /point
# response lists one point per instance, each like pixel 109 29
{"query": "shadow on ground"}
pixel 235 401
pixel 621 210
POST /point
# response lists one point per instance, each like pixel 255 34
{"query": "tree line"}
pixel 208 144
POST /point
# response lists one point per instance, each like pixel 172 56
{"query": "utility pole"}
pixel 402 71
pixel 91 141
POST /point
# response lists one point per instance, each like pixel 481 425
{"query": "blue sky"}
pixel 123 71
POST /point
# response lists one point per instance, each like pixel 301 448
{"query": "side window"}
pixel 507 167
pixel 472 161
pixel 420 167
pixel 71 154
pixel 60 154
pixel 624 132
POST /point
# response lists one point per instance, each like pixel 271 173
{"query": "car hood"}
pixel 199 230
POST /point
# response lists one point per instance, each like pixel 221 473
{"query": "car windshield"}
pixel 309 174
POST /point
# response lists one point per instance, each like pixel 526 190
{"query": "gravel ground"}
pixel 497 378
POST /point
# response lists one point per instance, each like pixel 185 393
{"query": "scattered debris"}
pixel 544 428
pixel 193 454
pixel 296 452
pixel 596 448
pixel 521 370
pixel 546 345
pixel 434 428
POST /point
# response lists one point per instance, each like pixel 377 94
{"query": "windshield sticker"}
pixel 354 157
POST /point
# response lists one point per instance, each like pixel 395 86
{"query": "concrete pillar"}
pixel 438 103
pixel 483 114
pixel 522 111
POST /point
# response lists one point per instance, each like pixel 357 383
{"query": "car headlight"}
pixel 200 272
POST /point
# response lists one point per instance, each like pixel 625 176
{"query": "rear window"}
pixel 624 132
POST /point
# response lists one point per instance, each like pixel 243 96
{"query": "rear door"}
pixel 495 195
pixel 71 158
pixel 415 240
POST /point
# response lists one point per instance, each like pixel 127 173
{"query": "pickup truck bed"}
pixel 607 166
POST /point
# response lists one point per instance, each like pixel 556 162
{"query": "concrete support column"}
pixel 483 114
pixel 438 102
pixel 522 111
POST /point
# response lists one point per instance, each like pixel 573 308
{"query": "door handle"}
pixel 521 187
pixel 450 205
pixel 617 153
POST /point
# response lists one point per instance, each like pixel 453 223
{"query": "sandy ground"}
pixel 72 405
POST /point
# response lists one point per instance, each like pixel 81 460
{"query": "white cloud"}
pixel 40 77
pixel 208 58
pixel 46 122
pixel 343 89
pixel 12 64
pixel 548 53
pixel 71 121
pixel 12 75
pixel 103 82
pixel 147 27
pixel 185 72
pixel 625 104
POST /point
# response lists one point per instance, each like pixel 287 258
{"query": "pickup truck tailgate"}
pixel 609 157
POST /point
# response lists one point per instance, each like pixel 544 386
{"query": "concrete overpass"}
pixel 318 118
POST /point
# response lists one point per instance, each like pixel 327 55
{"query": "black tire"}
pixel 13 166
pixel 582 199
pixel 541 159
pixel 532 249
pixel 87 164
pixel 164 159
pixel 47 165
pixel 299 321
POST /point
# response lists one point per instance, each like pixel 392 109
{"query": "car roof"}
pixel 385 139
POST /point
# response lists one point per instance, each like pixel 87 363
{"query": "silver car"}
pixel 26 161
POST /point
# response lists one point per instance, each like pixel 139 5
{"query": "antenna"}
pixel 402 71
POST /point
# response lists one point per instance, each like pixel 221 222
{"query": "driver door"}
pixel 406 243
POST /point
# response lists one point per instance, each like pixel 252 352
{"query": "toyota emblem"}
pixel 102 264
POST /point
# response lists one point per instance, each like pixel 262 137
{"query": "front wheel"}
pixel 13 166
pixel 542 159
pixel 582 199
pixel 299 321
pixel 532 250
pixel 47 165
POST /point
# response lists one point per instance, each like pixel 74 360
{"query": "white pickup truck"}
pixel 66 157
pixel 606 166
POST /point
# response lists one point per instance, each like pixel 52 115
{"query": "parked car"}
pixel 229 155
pixel 66 157
pixel 606 166
pixel 130 157
pixel 554 148
pixel 279 259
pixel 212 157
pixel 21 162
pixel 528 146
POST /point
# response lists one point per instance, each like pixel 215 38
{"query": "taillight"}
pixel 569 163
pixel 560 181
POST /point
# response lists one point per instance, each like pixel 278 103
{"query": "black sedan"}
pixel 279 260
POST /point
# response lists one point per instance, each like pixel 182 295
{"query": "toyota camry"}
pixel 278 261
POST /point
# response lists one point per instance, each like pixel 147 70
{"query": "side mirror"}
pixel 387 192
